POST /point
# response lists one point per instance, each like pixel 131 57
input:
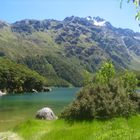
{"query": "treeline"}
pixel 61 73
pixel 43 67
pixel 16 78
pixel 58 71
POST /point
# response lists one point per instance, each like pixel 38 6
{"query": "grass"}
pixel 116 129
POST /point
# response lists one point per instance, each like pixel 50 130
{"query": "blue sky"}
pixel 13 10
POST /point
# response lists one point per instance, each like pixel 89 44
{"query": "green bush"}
pixel 107 97
pixel 102 102
pixel 130 81
pixel 135 98
pixel 138 77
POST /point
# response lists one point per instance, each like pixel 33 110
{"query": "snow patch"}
pixel 100 23
pixel 96 21
pixel 89 18
pixel 137 37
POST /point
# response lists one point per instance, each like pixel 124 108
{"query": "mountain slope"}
pixel 64 50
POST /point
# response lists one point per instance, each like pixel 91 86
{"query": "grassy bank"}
pixel 116 129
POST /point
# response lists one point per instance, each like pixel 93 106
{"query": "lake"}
pixel 15 109
pixel 138 90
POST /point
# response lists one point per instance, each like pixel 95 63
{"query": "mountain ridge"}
pixel 97 18
pixel 66 50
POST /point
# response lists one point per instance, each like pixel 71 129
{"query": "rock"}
pixel 9 136
pixel 3 24
pixel 2 93
pixel 47 89
pixel 46 114
pixel 35 91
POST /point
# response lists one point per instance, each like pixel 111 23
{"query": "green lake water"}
pixel 15 109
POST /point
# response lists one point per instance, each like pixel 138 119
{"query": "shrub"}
pixel 102 102
pixel 135 98
pixel 130 81
pixel 107 97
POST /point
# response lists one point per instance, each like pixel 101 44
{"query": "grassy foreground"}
pixel 116 129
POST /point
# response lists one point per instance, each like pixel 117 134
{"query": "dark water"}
pixel 138 90
pixel 18 108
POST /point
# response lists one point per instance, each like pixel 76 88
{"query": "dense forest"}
pixel 18 78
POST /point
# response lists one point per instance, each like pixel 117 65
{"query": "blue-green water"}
pixel 15 109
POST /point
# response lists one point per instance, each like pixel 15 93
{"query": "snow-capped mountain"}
pixel 97 21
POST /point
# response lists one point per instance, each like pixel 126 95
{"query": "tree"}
pixel 106 73
pixel 16 78
pixel 137 4
pixel 107 97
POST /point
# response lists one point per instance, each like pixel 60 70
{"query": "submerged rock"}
pixel 46 114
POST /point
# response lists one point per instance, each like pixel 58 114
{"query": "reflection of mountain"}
pixel 64 50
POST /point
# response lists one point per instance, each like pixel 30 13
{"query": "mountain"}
pixel 68 51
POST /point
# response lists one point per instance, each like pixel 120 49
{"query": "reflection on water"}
pixel 138 90
pixel 17 108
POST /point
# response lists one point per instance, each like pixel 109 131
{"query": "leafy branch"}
pixel 137 4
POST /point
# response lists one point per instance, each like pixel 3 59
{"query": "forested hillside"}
pixel 18 78
pixel 63 51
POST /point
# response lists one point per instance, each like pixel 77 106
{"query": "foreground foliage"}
pixel 109 95
pixel 138 77
pixel 116 129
